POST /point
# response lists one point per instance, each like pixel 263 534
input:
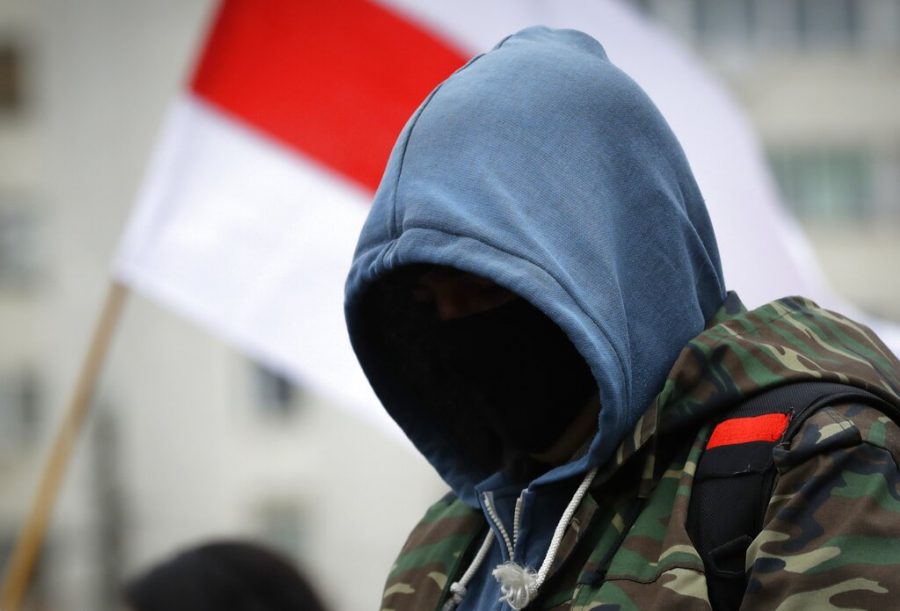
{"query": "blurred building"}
pixel 190 440
pixel 820 81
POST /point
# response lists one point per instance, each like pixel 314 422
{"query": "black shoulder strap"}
pixel 735 474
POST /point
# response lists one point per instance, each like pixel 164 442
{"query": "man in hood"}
pixel 537 300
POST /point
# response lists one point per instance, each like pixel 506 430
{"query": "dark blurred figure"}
pixel 222 576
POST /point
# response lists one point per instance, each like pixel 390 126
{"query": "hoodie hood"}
pixel 542 167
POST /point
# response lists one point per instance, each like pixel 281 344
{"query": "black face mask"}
pixel 521 367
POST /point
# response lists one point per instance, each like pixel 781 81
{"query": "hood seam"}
pixel 396 227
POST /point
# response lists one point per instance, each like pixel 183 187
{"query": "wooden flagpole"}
pixel 21 565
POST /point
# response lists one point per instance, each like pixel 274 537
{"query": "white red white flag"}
pixel 250 209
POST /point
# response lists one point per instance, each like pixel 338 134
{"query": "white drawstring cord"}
pixel 519 585
pixel 563 524
pixel 458 588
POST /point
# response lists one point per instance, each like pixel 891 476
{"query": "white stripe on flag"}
pixel 254 241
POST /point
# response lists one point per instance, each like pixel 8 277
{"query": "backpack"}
pixel 737 465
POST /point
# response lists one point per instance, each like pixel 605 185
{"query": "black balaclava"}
pixel 529 379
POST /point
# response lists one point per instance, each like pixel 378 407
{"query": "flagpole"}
pixel 21 565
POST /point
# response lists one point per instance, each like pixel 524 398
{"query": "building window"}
pixel 803 24
pixel 275 394
pixel 719 22
pixel 18 246
pixel 824 184
pixel 11 86
pixel 280 525
pixel 643 6
pixel 827 23
pixel 20 410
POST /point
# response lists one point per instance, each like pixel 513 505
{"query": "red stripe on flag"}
pixel 335 79
pixel 769 427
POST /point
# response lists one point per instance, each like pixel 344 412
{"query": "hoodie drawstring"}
pixel 519 585
pixel 458 588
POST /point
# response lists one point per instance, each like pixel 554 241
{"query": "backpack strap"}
pixel 736 472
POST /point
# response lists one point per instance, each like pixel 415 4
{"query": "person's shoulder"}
pixel 431 554
pixel 448 517
pixel 839 427
pixel 449 510
pixel 832 526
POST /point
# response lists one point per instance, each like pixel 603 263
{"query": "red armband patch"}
pixel 769 427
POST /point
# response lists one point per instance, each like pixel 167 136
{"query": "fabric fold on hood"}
pixel 542 167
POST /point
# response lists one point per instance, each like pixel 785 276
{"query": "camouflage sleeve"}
pixel 831 538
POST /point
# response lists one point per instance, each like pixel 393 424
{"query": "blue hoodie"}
pixel 543 167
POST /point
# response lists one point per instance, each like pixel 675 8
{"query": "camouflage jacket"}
pixel 831 537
